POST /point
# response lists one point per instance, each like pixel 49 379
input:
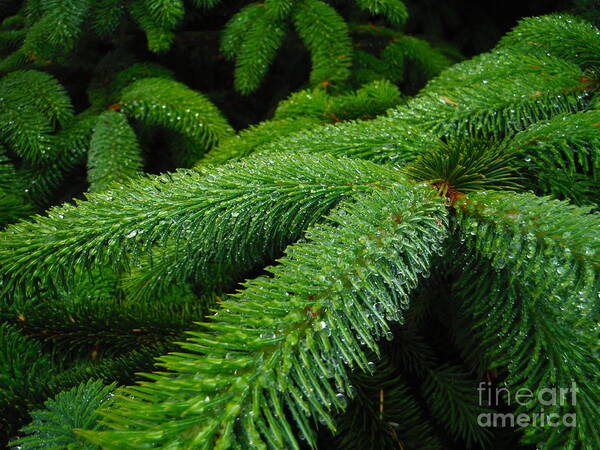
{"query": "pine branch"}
pixel 447 389
pixel 257 50
pixel 237 28
pixel 16 60
pixel 284 338
pixel 382 140
pixel 160 36
pixel 303 110
pixel 497 106
pixel 115 73
pixel 367 102
pixel 9 180
pixel 33 102
pixel 384 414
pixel 69 150
pixel 503 63
pixel 168 13
pixel 133 73
pixel 40 91
pixel 115 154
pixel 13 202
pixel 58 29
pixel 150 279
pixel 106 16
pixel 466 165
pixel 533 311
pixel 567 230
pixel 253 137
pixel 10 40
pixel 95 318
pixel 561 156
pixel 33 11
pixel 429 60
pixel 311 103
pixel 243 212
pixel 278 9
pixel 253 36
pixel 452 398
pixel 53 426
pixel 403 57
pixel 26 131
pixel 29 377
pixel 22 365
pixel 562 35
pixel 326 36
pixel 394 10
pixel 167 103
pixel 105 330
pixel 16 22
pixel 121 368
pixel 13 208
pixel 409 351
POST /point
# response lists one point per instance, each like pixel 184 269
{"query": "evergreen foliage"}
pixel 304 110
pixel 401 230
pixel 162 102
pixel 54 425
pixel 106 165
pixel 541 299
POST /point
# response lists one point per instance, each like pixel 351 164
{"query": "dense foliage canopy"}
pixel 404 227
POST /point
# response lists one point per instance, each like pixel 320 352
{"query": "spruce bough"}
pixel 413 256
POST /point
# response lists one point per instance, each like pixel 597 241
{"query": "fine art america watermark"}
pixel 546 397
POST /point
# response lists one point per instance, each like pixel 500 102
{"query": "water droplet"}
pixel 341 399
